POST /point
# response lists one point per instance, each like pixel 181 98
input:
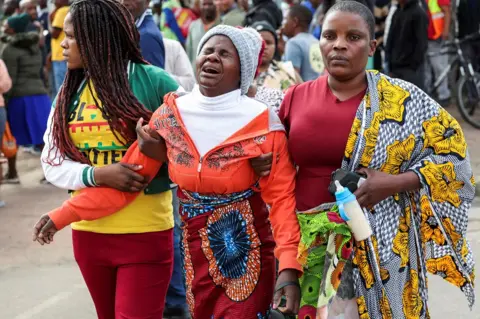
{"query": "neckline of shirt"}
pixel 216 103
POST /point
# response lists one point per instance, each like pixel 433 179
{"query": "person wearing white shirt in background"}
pixel 178 65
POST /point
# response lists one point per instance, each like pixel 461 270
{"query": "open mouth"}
pixel 210 70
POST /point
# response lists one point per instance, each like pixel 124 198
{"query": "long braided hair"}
pixel 107 39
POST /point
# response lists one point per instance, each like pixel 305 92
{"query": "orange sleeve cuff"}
pixel 95 203
pixel 63 217
pixel 288 260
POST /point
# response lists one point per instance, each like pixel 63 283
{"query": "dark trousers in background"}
pixel 416 77
pixel 127 275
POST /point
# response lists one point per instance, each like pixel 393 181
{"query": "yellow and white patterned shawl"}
pixel 399 128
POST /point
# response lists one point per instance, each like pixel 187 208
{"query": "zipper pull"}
pixel 200 165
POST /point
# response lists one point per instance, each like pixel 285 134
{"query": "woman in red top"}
pixel 418 190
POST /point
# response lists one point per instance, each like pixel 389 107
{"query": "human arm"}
pixel 445 6
pixel 57 23
pixel 39 28
pixel 55 32
pixel 379 186
pixel 262 165
pixel 5 80
pixel 96 203
pixel 48 62
pixel 11 63
pixel 70 175
pixel 65 174
pixel 92 204
pixel 448 189
pixel 443 166
pixel 278 191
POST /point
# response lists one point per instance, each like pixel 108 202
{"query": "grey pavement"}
pixel 45 283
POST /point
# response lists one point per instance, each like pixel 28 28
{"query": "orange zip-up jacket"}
pixel 224 169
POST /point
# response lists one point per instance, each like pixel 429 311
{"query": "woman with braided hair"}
pixel 108 87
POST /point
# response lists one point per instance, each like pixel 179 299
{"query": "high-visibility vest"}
pixel 438 18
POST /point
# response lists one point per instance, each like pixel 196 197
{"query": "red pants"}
pixel 127 275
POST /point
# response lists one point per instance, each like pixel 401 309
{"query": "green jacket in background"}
pixel 23 58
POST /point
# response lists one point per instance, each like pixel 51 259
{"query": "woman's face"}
pixel 269 51
pixel 218 67
pixel 346 45
pixel 69 45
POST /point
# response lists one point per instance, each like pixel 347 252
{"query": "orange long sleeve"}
pixel 95 203
pixel 278 191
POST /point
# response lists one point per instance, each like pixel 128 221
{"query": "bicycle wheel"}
pixel 469 99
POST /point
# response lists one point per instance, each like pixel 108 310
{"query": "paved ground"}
pixel 44 282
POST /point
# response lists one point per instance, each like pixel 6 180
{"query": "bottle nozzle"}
pixel 339 186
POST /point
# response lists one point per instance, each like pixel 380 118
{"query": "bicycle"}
pixel 468 86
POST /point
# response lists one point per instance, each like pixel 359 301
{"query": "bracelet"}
pixel 93 177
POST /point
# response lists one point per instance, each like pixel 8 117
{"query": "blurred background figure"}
pixel 380 12
pixel 209 18
pixel 408 42
pixel 29 7
pixel 9 8
pixel 439 15
pixel 174 18
pixel 244 5
pixel 42 10
pixel 468 17
pixel 274 77
pixel 312 5
pixel 59 65
pixel 272 73
pixel 285 7
pixel 230 13
pixel 28 102
pixel 5 85
pixel 302 48
pixel 151 40
pixel 264 10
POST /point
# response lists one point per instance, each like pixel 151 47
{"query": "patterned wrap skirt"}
pixel 228 248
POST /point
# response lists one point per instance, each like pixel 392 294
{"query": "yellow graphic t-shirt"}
pixel 57 51
pixel 92 135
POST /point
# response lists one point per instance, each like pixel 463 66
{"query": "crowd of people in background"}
pixel 33 68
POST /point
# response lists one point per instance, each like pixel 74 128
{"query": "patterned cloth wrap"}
pixel 399 128
pixel 228 252
pixel 325 248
